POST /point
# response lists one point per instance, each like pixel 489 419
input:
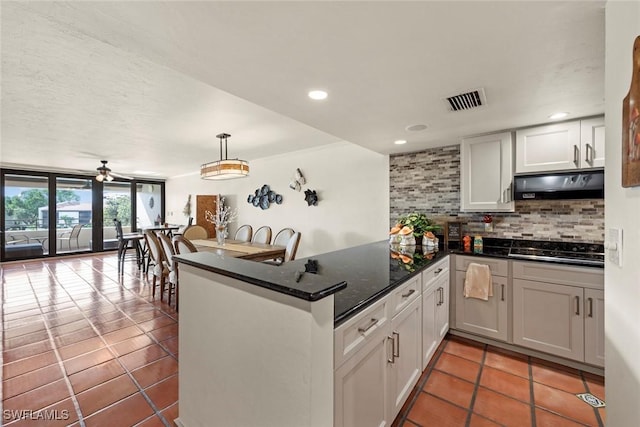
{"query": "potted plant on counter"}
pixel 420 224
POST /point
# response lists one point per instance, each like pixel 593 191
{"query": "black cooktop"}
pixel 566 252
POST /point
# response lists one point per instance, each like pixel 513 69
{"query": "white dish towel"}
pixel 478 283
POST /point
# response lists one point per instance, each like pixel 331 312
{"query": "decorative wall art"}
pixel 631 125
pixel 298 181
pixel 187 207
pixel 311 197
pixel 263 197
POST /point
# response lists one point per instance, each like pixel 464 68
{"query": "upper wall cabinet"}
pixel 570 145
pixel 486 173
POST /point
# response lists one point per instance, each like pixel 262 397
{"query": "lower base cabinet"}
pixel 559 310
pixel 378 362
pixel 405 366
pixel 360 387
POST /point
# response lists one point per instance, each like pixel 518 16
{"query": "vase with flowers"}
pixel 221 218
pixel 420 223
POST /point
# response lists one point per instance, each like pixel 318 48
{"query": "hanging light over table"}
pixel 224 168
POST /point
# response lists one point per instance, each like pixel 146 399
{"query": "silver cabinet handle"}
pixel 590 301
pixel 437 271
pixel 393 354
pixel 589 154
pixel 438 291
pixel 441 295
pixel 576 155
pixel 577 305
pixel 397 344
pixel 408 294
pixel 371 324
pixel 502 293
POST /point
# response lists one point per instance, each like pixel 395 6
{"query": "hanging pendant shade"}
pixel 224 168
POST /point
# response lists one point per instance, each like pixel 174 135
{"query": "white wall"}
pixel 622 284
pixel 352 185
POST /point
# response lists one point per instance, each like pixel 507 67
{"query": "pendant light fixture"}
pixel 224 168
pixel 104 173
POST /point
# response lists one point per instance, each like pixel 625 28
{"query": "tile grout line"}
pixel 532 404
pixel 586 386
pixel 107 346
pixel 72 394
pixel 476 386
pixel 421 384
pixel 142 391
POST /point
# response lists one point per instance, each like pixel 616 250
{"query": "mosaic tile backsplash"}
pixel 429 181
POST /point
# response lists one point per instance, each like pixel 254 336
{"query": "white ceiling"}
pixel 148 85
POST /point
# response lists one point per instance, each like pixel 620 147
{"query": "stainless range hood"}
pixel 561 185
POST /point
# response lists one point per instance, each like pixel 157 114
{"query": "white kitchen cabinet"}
pixel 576 144
pixel 435 308
pixel 486 173
pixel 360 397
pixel 485 318
pixel 405 365
pixel 559 309
pixel 548 317
pixel 594 327
pixel 378 358
pixel 592 142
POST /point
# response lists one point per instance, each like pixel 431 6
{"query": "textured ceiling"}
pixel 148 85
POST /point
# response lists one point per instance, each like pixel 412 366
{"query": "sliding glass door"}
pixel 25 232
pixel 47 214
pixel 73 215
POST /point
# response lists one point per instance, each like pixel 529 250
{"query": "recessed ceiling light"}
pixel 416 128
pixel 400 141
pixel 318 94
pixel 556 116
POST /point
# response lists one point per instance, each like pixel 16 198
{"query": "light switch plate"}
pixel 613 246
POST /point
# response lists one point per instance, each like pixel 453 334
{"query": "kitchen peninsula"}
pixel 257 341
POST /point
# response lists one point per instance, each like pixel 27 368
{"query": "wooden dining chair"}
pixel 183 245
pixel 283 236
pixel 156 254
pixel 172 278
pixel 289 252
pixel 196 231
pixel 244 233
pixel 262 235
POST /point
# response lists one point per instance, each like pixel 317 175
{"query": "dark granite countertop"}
pixel 356 276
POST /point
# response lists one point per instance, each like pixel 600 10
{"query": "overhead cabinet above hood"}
pixel 566 185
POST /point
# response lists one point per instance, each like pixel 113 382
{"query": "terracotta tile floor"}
pixel 472 384
pixel 89 348
pixel 95 350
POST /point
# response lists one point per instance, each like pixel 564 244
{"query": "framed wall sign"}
pixel 631 125
pixel 453 234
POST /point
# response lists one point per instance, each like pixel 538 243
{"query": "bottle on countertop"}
pixel 467 243
pixel 477 245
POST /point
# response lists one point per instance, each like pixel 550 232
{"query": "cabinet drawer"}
pixel 498 267
pixel 429 276
pixel 584 277
pixel 356 332
pixel 403 295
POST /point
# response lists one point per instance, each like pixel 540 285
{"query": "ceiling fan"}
pixel 105 173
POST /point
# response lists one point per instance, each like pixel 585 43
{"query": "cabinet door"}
pixel 360 386
pixel 406 365
pixel 592 142
pixel 594 327
pixel 548 148
pixel 486 318
pixel 442 307
pixel 549 318
pixel 486 173
pixel 429 329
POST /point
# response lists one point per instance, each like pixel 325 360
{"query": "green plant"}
pixel 419 222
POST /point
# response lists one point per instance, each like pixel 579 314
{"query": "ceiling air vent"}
pixel 467 101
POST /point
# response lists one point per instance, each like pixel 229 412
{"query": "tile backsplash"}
pixel 429 182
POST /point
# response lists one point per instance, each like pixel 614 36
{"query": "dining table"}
pixel 165 229
pixel 240 249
